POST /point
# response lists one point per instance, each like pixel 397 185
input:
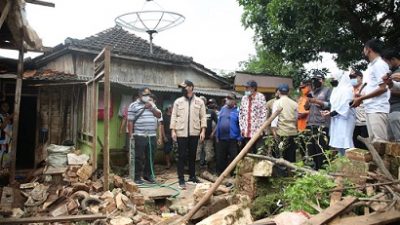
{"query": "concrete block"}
pixel 263 168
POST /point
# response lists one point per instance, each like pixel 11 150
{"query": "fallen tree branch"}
pixel 366 185
pixel 282 162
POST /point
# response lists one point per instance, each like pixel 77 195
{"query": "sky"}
pixel 212 32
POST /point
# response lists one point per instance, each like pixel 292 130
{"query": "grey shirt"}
pixel 314 117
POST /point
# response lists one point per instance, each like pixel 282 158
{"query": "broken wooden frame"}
pixel 102 64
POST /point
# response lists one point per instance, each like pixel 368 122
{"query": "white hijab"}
pixel 342 95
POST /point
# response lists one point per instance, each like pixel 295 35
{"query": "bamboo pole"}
pixel 231 166
pixel 106 150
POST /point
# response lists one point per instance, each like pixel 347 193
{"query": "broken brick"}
pixel 130 186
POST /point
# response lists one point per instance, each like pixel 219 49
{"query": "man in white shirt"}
pixel 376 98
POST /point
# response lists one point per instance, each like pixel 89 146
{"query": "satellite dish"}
pixel 150 21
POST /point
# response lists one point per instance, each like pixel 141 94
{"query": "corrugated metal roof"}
pixel 52 75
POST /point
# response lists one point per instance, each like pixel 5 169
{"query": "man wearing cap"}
pixel 188 124
pixel 284 126
pixel 143 121
pixel 252 113
pixel 356 78
pixel 317 124
pixel 228 133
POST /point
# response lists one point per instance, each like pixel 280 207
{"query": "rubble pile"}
pixel 74 191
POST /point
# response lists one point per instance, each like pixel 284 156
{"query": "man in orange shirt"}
pixel 302 112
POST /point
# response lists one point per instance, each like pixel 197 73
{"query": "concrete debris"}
pixel 74 159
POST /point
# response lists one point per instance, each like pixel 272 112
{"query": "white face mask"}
pixel 247 93
pixel 354 82
pixel 145 98
pixel 228 102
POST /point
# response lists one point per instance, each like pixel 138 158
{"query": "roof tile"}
pixel 125 43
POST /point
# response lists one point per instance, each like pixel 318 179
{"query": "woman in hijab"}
pixel 343 119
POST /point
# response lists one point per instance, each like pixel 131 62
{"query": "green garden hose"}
pixel 157 185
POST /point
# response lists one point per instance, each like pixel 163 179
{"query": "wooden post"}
pixel 106 150
pixel 94 124
pixel 17 103
pixel 231 166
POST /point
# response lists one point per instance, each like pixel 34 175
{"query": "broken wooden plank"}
pixel 372 219
pixel 331 212
pixel 52 219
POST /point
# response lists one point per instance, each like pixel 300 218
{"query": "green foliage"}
pixel 307 191
pixel 299 30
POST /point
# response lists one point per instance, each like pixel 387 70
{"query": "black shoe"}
pixel 194 180
pixel 182 184
pixel 149 180
pixel 139 181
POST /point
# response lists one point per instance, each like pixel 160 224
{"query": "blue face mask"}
pixel 247 93
pixel 354 82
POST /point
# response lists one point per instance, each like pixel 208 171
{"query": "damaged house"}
pixel 56 97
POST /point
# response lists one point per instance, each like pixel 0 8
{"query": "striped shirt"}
pixel 146 123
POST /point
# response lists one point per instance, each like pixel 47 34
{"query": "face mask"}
pixel 184 92
pixel 247 93
pixel 354 82
pixel 316 84
pixel 334 83
pixel 145 98
pixel 305 90
pixel 228 102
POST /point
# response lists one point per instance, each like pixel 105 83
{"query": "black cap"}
pixel 211 101
pixel 251 83
pixel 317 75
pixel 186 83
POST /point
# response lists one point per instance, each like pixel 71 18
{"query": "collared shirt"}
pixel 146 123
pixel 286 121
pixel 373 77
pixel 252 114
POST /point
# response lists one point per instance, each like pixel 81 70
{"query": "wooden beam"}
pixel 106 147
pixel 42 3
pixel 94 123
pixel 75 218
pixel 372 219
pixel 7 200
pixel 5 12
pixel 17 103
pixel 331 212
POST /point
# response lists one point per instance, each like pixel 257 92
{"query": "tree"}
pixel 273 64
pixel 298 30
